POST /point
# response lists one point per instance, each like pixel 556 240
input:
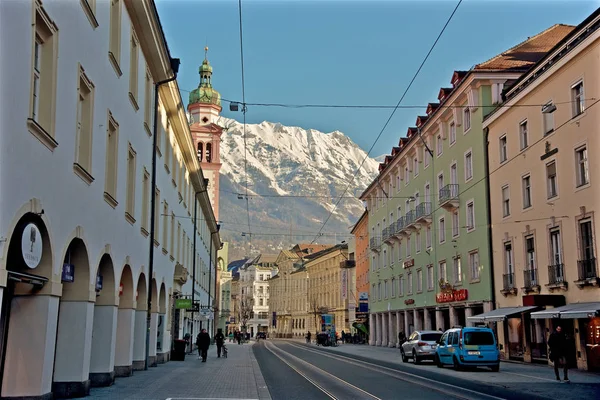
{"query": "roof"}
pixel 329 249
pixel 303 249
pixel 524 55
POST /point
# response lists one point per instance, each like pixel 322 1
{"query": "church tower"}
pixel 204 110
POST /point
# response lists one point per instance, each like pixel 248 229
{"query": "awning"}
pixel 570 311
pixel 500 314
pixel 360 327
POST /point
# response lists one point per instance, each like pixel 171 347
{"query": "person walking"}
pixel 558 353
pixel 219 340
pixel 203 342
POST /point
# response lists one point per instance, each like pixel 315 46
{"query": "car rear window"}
pixel 431 337
pixel 478 338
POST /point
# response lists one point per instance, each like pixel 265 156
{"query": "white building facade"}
pixel 76 176
pixel 254 290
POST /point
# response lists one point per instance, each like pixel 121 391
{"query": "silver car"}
pixel 420 345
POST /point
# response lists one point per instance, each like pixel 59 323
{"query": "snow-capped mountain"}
pixel 295 178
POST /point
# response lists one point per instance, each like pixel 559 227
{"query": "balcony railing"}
pixel 556 274
pixel 423 211
pixel 531 278
pixel 385 234
pixel 587 269
pixel 374 243
pixel 399 224
pixel 409 218
pixel 449 194
pixel 509 281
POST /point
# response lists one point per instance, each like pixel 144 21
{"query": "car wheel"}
pixel 416 359
pixel 495 368
pixel 404 358
pixel 457 366
pixel 438 362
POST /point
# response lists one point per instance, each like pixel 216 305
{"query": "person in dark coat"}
pixel 558 352
pixel 203 342
pixel 219 340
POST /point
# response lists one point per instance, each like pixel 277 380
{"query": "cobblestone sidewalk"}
pixel 236 377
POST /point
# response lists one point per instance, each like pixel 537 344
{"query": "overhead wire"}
pixel 389 118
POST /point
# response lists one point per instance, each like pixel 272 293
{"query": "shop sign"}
pixel 409 301
pixel 31 245
pixel 363 307
pixel 344 288
pixel 450 296
pixel 183 304
pixel 99 280
pixel 68 273
pixel 409 263
pixel 363 296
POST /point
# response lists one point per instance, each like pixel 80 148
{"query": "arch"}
pixel 208 152
pixel 126 291
pixel 78 233
pixel 142 296
pixel 155 298
pixel 105 281
pixel 162 302
pixel 76 254
pixel 200 152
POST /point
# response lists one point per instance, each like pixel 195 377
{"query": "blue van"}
pixel 468 347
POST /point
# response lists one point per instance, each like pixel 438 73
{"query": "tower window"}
pixel 200 151
pixel 205 120
pixel 208 152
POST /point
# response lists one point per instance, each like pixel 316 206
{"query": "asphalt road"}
pixel 294 371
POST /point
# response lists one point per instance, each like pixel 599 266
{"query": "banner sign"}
pixel 455 295
pixel 344 275
pixel 183 304
pixel 68 273
pixel 363 296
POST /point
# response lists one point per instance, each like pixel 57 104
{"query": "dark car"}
pixel 261 335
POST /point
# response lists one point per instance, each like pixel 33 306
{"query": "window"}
pixel 442 227
pixel 385 258
pixel 419 280
pixel 408 246
pixel 508 258
pixel 393 287
pixel 172 247
pixel 526 183
pixel 84 127
pixel 474 265
pixel 455 224
pixel 133 71
pixel 530 253
pixel 468 166
pixel 130 197
pixel 430 279
pixel 583 174
pixel 146 203
pixel 578 98
pixel 379 291
pixel 586 240
pixel 401 286
pixel 467 119
pixel 156 213
pixel 415 166
pixel 426 155
pixel 503 150
pixel 442 273
pixel 551 180
pixel 418 242
pixel 470 216
pixel 428 238
pixel 43 78
pixel 89 8
pixel 548 120
pixel 112 147
pixel 505 201
pixel 406 176
pixel 440 182
pixel 114 47
pixel 440 145
pixel 148 105
pixel 523 135
pixel 555 247
pixel 457 270
pixel 452 133
pixel 165 215
pixel 410 282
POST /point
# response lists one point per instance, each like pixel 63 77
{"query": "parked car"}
pixel 468 347
pixel 261 335
pixel 420 345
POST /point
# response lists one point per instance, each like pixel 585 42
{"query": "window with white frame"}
pixel 455 224
pixel 430 280
pixel 555 247
pixel 508 258
pixel 583 174
pixel 401 286
pixel 419 281
pixel 468 166
pixel 586 242
pixel 505 201
pixel 578 98
pixel 440 145
pixel 410 282
pixel 415 166
pixel 470 215
pixel 526 184
pixel 467 119
pixel 408 246
pixel 452 133
pixel 426 155
pixel 406 175
pixel 551 180
pixel 503 149
pixel 418 242
pixel 474 265
pixel 442 272
pixel 548 120
pixel 530 252
pixel 398 182
pixel 428 238
pixel 523 135
pixel 385 258
pixel 379 291
pixel 442 229
pixel 457 267
pixel 393 287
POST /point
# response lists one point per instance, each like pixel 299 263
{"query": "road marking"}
pixel 325 372
pixel 204 398
pixel 529 376
pixel 433 387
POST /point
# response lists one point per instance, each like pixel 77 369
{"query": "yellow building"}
pixel 543 203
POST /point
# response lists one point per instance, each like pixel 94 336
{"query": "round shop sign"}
pixel 31 245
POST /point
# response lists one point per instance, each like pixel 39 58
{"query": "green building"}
pixel 430 255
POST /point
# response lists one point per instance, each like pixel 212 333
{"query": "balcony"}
pixel 399 226
pixel 556 277
pixel 375 244
pixel 508 286
pixel 587 273
pixel 348 264
pixel 531 281
pixel 387 234
pixel 449 197
pixel 409 220
pixel 423 213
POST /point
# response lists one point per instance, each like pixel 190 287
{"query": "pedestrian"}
pixel 203 342
pixel 558 353
pixel 308 335
pixel 238 337
pixel 401 337
pixel 219 340
pixel 343 336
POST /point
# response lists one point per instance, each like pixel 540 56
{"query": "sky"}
pixel 347 53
